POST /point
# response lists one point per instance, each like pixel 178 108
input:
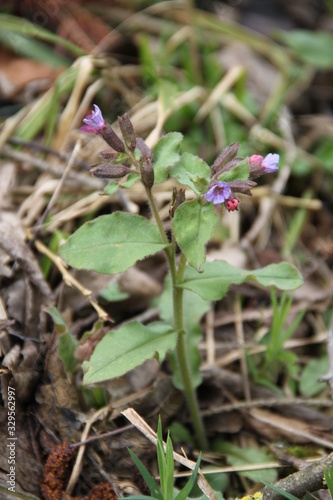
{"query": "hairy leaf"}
pixel 166 154
pixel 214 281
pixel 193 225
pixel 112 243
pixel 124 349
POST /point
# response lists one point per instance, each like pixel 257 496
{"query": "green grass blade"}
pixel 33 123
pixel 184 493
pixel 153 488
pixel 285 494
pixel 161 459
pixel 13 24
pixel 289 332
pixel 33 49
pixel 329 479
pixel 169 469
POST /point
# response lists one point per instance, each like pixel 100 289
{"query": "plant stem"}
pixel 181 349
pixel 185 370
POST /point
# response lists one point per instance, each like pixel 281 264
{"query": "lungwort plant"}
pixel 112 243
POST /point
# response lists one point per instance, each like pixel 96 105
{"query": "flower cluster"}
pixel 219 191
pixel 224 192
pixel 121 151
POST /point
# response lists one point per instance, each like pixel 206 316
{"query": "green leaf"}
pixel 111 188
pixel 21 26
pixel 314 369
pixel 329 479
pixel 113 294
pixel 111 244
pixel 32 49
pixel 166 154
pixel 124 349
pixel 193 172
pixel 94 397
pixel 242 456
pixel 130 181
pixel 46 263
pixel 193 225
pixel 169 468
pixel 184 493
pixel 315 48
pixel 66 347
pixel 194 307
pixel 153 488
pixel 239 173
pixel 181 434
pixel 67 343
pixel 59 322
pixel 161 459
pixel 214 281
pixel 34 121
pixel 324 152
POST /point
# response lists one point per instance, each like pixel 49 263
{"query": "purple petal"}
pixel 89 129
pixel 95 121
pixel 218 193
pixel 270 163
pixel 210 194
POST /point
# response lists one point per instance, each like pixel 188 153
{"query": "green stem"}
pixel 181 349
pixel 184 367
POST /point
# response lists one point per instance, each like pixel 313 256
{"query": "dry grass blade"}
pixel 143 427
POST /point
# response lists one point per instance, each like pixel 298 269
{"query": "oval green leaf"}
pixel 193 225
pixel 124 349
pixel 193 172
pixel 112 243
pixel 214 281
pixel 166 154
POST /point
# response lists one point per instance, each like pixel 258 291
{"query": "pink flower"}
pixel 218 193
pixel 95 122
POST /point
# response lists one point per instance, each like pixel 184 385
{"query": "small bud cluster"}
pixel 224 192
pixel 121 150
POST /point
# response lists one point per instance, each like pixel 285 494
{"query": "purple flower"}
pixel 258 165
pixel 218 193
pixel 94 123
pixel 270 163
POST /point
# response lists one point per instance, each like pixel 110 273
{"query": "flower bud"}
pixel 146 163
pixel 127 130
pixel 227 155
pixel 231 204
pixel 178 197
pixel 111 138
pixel 109 171
pixel 147 172
pixel 144 149
pixel 243 187
pixel 108 154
